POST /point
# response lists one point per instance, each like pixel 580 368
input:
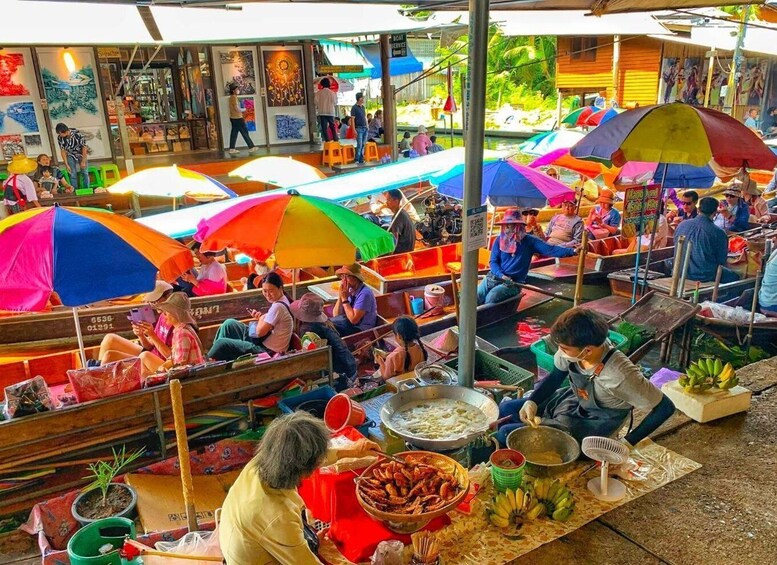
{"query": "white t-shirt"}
pixel 620 385
pixel 214 271
pixel 24 185
pixel 279 317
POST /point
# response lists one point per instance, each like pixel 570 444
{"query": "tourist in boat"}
pixel 402 227
pixel 511 255
pixel 356 309
pixel 185 348
pixel 411 350
pixel 734 211
pixel 209 279
pixel 552 172
pixel 259 270
pixel 309 313
pixel 709 245
pixel 565 229
pixel 686 210
pixel 435 147
pixel 421 142
pixel 585 189
pixel 18 189
pixel 157 338
pixel 767 295
pixel 604 386
pixel 757 206
pixel 404 145
pixel 270 333
pixel 533 227
pixel 262 519
pixel 603 220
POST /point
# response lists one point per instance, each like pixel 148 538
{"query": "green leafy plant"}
pixel 103 472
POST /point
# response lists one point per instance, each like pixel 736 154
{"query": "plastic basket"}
pixel 84 191
pixel 489 367
pixel 545 359
pixel 84 547
pixel 507 477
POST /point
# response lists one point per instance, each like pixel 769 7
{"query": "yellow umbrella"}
pixel 279 171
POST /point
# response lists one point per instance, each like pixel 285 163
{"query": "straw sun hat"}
pixel 354 270
pixel 21 165
pixel 179 306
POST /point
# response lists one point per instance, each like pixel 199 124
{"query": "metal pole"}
pixel 473 183
pixel 559 99
pixel 711 54
pixel 639 244
pixel 387 94
pixel 728 104
pixel 655 227
pixel 80 338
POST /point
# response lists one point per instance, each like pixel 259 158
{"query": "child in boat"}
pixel 186 348
pixel 410 352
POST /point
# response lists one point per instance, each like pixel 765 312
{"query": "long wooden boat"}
pixel 764 332
pixel 621 284
pixel 599 260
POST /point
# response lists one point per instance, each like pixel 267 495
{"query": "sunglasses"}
pixel 687 203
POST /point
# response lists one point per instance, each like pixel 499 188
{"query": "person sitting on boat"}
pixel 532 225
pixel 157 338
pixel 270 332
pixel 767 294
pixel 511 255
pixel 402 227
pixel 259 270
pixel 356 309
pixel 262 519
pixel 405 145
pixel 603 220
pixel 686 210
pixel 604 386
pixel 757 206
pixel 585 188
pixel 210 279
pixel 709 245
pixel 552 172
pixel 411 350
pixel 185 348
pixel 421 142
pixel 309 313
pixel 734 212
pixel 565 229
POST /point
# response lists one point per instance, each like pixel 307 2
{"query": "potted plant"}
pixel 102 498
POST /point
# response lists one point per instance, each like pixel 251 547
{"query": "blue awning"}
pixel 397 65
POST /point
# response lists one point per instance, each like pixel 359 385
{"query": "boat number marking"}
pixel 100 323
pixel 201 311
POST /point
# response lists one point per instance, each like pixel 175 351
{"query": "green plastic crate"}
pixel 489 367
pixel 545 359
pixel 84 191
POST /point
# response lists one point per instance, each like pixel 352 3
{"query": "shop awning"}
pixel 397 65
pixel 341 53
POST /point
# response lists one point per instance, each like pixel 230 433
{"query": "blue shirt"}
pixel 767 296
pixel 359 115
pixel 516 265
pixel 740 219
pixel 709 247
pixel 364 299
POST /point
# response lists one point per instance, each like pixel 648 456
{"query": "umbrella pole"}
pixel 179 420
pixel 581 269
pixel 80 337
pixel 294 284
pixel 175 202
pixel 655 227
pixel 639 247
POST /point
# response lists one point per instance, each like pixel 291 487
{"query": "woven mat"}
pixel 471 539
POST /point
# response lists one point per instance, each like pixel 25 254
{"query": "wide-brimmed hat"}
pixel 421 129
pixel 21 165
pixel 354 270
pixel 606 195
pixel 749 186
pixel 159 289
pixel 309 308
pixel 512 216
pixel 731 191
pixel 178 305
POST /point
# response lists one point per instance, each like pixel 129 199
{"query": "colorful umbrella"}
pixel 280 171
pixel 602 116
pixel 675 133
pixel 301 231
pixel 546 142
pixel 507 183
pixel 578 117
pixel 672 176
pixel 591 169
pixel 335 84
pixel 172 182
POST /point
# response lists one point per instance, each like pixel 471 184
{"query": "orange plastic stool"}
pixel 332 154
pixel 349 153
pixel 371 151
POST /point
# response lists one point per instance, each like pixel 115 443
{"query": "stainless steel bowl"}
pixel 530 440
pixel 436 374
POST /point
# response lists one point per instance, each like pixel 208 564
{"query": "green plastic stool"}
pixel 84 547
pixel 110 174
pixel 94 172
pixel 3 176
pixel 66 175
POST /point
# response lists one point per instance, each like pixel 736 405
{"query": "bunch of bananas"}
pixel 512 507
pixel 705 373
pixel 555 498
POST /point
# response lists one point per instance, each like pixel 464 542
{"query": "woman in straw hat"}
pixel 18 188
pixel 751 194
pixel 603 220
pixel 186 348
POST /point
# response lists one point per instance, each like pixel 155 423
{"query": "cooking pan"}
pixel 431 392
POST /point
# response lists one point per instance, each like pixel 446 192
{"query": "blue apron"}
pixel 575 411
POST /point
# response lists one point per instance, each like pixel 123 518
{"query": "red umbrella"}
pixel 450 103
pixel 335 84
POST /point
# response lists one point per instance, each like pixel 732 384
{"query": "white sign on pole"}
pixel 476 228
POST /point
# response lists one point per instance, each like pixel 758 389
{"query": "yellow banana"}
pixel 519 495
pixel 510 498
pixel 567 502
pixel 499 521
pixel 536 511
pixel 528 501
pixel 553 490
pixel 501 506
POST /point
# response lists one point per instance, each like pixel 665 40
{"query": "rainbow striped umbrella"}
pixel 172 182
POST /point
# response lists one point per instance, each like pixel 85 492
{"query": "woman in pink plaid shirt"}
pixel 186 348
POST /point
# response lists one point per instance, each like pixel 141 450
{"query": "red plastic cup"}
pixel 341 411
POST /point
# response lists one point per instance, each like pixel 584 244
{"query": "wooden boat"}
pixel 546 214
pixel 621 284
pixel 764 332
pixel 599 260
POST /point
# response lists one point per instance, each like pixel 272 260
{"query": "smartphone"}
pixel 142 314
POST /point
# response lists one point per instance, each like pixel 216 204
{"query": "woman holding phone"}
pixel 186 348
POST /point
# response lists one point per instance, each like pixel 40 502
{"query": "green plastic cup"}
pixel 507 469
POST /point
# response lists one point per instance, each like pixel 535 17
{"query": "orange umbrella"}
pixel 591 169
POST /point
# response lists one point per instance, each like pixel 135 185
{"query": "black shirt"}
pixel 403 230
pixel 343 361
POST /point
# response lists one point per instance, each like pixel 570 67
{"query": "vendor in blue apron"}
pixel 604 387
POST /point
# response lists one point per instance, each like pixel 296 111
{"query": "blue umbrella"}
pixel 677 175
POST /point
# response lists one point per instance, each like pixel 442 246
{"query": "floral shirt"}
pixel 186 348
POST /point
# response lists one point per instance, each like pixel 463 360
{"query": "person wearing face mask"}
pixel 604 386
pixel 511 256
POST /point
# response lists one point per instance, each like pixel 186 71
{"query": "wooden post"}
pixel 716 286
pixel 711 54
pixel 678 261
pixel 616 61
pixel 753 308
pixel 183 453
pixel 581 269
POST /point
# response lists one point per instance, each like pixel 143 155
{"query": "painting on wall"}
pixel 249 112
pixel 33 144
pixel 17 117
pixel 11 145
pixel 750 89
pixel 283 74
pixel 691 80
pixel 289 127
pixel 237 69
pixel 196 90
pixel 670 74
pixel 11 82
pixel 94 141
pixel 70 93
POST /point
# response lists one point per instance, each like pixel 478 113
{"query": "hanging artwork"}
pixel 283 76
pixel 17 117
pixel 33 144
pixel 691 77
pixel 750 89
pixel 237 69
pixel 11 75
pixel 249 112
pixel 94 140
pixel 289 127
pixel 196 90
pixel 67 95
pixel 670 73
pixel 11 145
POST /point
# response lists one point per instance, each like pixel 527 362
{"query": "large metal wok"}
pixel 419 394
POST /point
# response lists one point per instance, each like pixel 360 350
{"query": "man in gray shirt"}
pixel 402 226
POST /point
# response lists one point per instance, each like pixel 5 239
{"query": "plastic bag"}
pixel 632 470
pixel 725 312
pixel 27 397
pixel 105 380
pixel 388 553
pixel 201 544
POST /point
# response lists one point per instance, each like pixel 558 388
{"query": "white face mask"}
pixel 573 359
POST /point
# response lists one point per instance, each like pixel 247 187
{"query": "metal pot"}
pixel 436 374
pixel 530 440
pixel 419 394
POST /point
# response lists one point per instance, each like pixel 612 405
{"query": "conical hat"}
pixel 21 165
pixel 446 342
